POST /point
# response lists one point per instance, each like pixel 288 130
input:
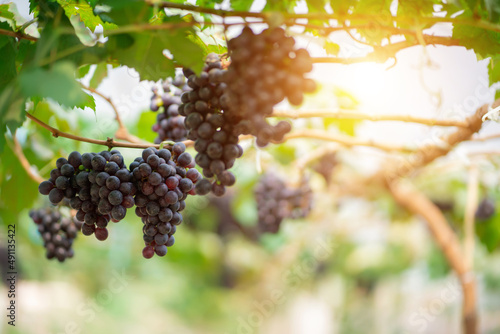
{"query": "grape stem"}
pixel 110 142
pixel 122 132
pixel 361 116
pixel 344 140
pixel 18 35
pixel 18 150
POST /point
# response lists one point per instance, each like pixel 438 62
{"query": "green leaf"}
pixel 125 12
pixel 82 71
pixel 331 48
pixel 145 53
pixel 316 6
pixel 342 6
pixel 7 16
pixel 494 70
pixel 241 5
pixel 416 8
pixel 144 124
pixel 88 103
pixel 101 72
pixel 11 114
pixel 13 177
pixel 83 10
pixel 346 126
pixel 485 43
pixel 489 232
pixel 383 17
pixel 57 83
pixel 285 154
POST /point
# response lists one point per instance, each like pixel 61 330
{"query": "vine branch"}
pixel 375 118
pixel 327 16
pixel 344 140
pixel 18 35
pixel 110 142
pixel 122 132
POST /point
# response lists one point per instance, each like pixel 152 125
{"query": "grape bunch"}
pixel 169 124
pixel 164 179
pixel 98 186
pixel 209 128
pixel 299 199
pixel 277 201
pixel 57 232
pixel 325 166
pixel 486 209
pixel 265 69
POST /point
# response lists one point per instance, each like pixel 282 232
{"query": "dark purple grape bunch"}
pixel 169 124
pixel 83 180
pixel 486 209
pixel 62 183
pixel 299 199
pixel 272 207
pixel 57 232
pixel 164 179
pixel 111 192
pixel 265 69
pixel 277 201
pixel 215 142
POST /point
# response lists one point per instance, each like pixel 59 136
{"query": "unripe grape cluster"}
pixel 277 201
pixel 265 69
pixel 57 232
pixel 164 180
pixel 169 124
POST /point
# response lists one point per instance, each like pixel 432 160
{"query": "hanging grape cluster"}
pixel 169 124
pixel 265 69
pixel 97 185
pixel 57 232
pixel 208 127
pixel 486 209
pixel 276 201
pixel 164 180
pixel 101 188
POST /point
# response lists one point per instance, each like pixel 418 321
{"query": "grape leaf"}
pixel 415 8
pixel 14 177
pixel 10 99
pixel 57 83
pixel 494 69
pixel 241 5
pixel 7 16
pixel 489 232
pixel 384 17
pixel 145 53
pixel 331 48
pixel 144 124
pixel 485 43
pixel 83 10
pixel 342 7
pixel 83 71
pixel 125 12
pixel 101 72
